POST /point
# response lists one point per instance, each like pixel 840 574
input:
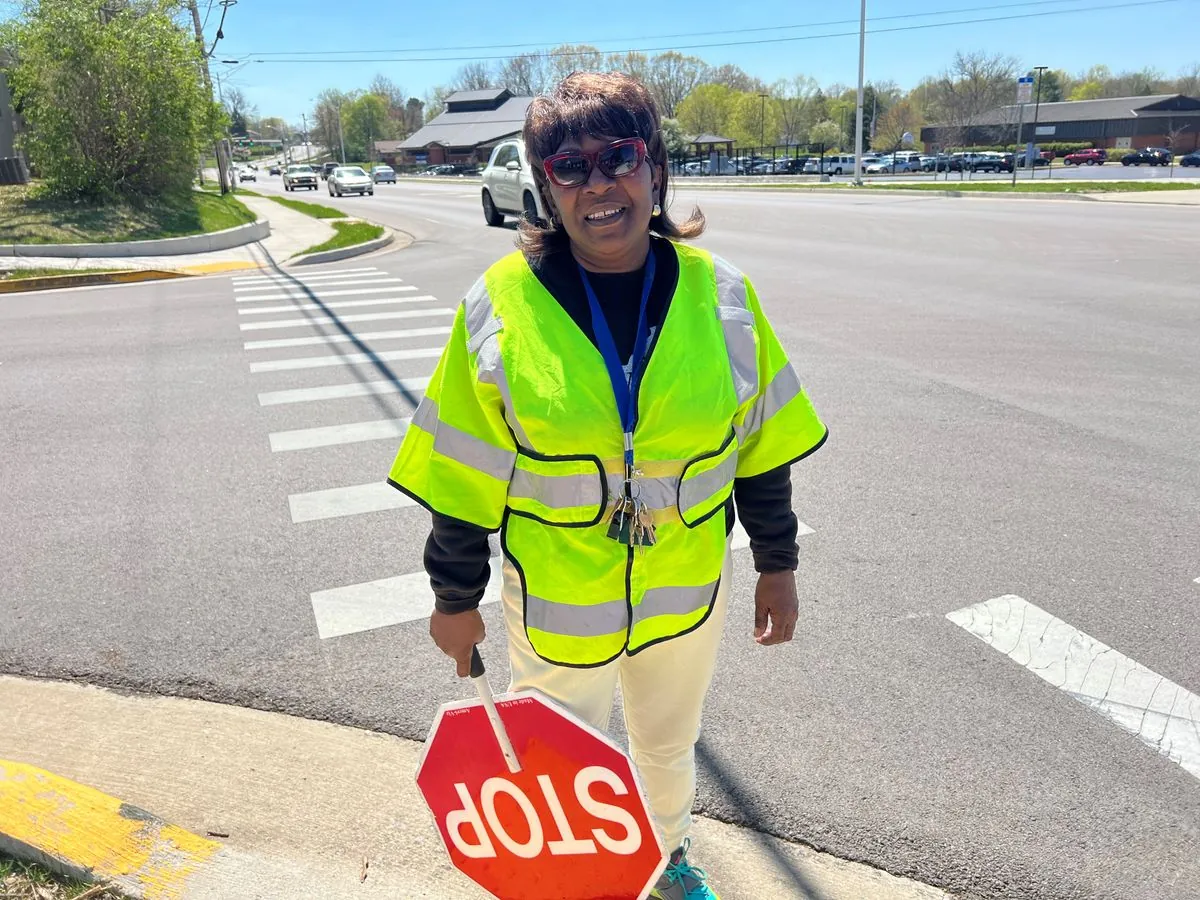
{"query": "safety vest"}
pixel 519 430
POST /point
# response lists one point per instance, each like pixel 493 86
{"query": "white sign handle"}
pixel 484 688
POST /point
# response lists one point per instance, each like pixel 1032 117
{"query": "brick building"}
pixel 466 132
pixel 1118 122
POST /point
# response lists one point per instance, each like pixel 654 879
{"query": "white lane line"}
pixel 1197 580
pixel 275 343
pixel 319 283
pixel 345 359
pixel 329 435
pixel 363 317
pixel 1158 712
pixel 341 391
pixel 318 273
pixel 321 294
pixel 340 304
pixel 379 604
pixel 346 501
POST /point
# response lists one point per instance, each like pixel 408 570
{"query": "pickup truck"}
pixel 299 176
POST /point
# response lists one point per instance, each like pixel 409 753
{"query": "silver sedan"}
pixel 350 180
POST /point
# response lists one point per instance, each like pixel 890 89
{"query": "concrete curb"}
pixel 85 834
pixel 237 236
pixel 328 256
pixel 51 282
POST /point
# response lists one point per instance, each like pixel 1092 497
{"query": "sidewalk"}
pixel 270 806
pixel 291 232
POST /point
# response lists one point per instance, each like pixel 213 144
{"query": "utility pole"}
pixel 858 115
pixel 304 119
pixel 222 169
pixel 762 120
pixel 1036 107
pixel 341 139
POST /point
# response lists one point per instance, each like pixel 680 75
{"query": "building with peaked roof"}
pixel 1116 122
pixel 466 132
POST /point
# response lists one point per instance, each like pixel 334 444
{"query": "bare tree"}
pixel 435 101
pixel 793 99
pixel 974 84
pixel 1189 81
pixel 672 77
pixel 635 65
pixel 570 58
pixel 900 119
pixel 474 76
pixel 526 75
pixel 734 77
pixel 1174 133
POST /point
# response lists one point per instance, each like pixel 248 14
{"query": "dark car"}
pixel 992 162
pixel 1151 156
pixel 1192 159
pixel 1037 161
pixel 274 170
pixel 327 169
pixel 945 162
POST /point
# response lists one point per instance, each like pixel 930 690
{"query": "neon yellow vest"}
pixel 519 430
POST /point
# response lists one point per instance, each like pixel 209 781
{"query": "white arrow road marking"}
pixel 378 604
pixel 1160 713
pixel 406 598
pixel 328 435
pixel 341 391
pixel 347 501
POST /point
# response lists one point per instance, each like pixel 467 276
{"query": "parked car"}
pixel 299 176
pixel 948 162
pixel 1091 157
pixel 327 169
pixel 350 180
pixel 839 164
pixel 1151 156
pixel 992 162
pixel 1191 159
pixel 383 173
pixel 1038 160
pixel 508 186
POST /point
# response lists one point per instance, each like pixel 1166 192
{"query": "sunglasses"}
pixel 574 168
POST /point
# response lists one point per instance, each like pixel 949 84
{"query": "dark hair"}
pixel 607 104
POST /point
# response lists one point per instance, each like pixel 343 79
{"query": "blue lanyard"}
pixel 624 391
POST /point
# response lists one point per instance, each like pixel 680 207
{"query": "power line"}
pixel 777 28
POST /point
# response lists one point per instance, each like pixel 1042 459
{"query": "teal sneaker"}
pixel 682 881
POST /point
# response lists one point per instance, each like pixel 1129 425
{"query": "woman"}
pixel 606 394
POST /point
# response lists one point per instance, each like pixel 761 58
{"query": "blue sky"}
pixel 1162 35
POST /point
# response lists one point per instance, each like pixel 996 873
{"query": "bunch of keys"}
pixel 631 522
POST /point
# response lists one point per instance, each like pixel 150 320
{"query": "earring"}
pixel 657 211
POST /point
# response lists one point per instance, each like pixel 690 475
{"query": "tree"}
pixel 526 75
pixel 753 121
pixel 365 121
pixel 706 110
pixel 393 95
pixel 793 99
pixel 414 116
pixel 327 123
pixel 113 97
pixel 901 119
pixel 735 78
pixel 1054 85
pixel 435 101
pixel 570 58
pixel 827 133
pixel 672 76
pixel 635 65
pixel 1087 90
pixel 974 84
pixel 474 76
pixel 675 139
pixel 1189 81
pixel 239 111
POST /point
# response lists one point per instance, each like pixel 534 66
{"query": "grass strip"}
pixel 316 210
pixel 18 274
pixel 348 234
pixel 29 217
pixel 25 881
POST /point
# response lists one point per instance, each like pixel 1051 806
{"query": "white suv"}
pixel 508 187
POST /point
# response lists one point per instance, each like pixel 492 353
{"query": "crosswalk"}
pixel 321 340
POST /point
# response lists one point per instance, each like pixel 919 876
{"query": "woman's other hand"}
pixel 776 608
pixel 457 634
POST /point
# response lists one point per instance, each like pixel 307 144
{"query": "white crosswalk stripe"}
pixel 298 275
pixel 328 281
pixel 364 317
pixel 330 435
pixel 347 501
pixel 273 343
pixel 340 304
pixel 342 391
pixel 345 359
pixel 300 294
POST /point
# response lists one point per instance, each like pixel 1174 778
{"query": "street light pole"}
pixel 762 121
pixel 858 115
pixel 1037 106
pixel 341 140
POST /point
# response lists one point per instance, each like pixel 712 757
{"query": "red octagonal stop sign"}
pixel 573 824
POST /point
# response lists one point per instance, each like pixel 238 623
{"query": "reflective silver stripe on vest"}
pixel 462 447
pixel 695 491
pixel 656 493
pixel 779 393
pixel 482 327
pixel 594 620
pixel 557 491
pixel 737 323
pixel 674 601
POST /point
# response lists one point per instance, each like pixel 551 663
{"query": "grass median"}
pixel 27 216
pixel 348 235
pixel 316 210
pixel 24 881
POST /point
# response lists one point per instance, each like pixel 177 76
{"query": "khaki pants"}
pixel 662 688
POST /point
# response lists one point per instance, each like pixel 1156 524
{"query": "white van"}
pixel 838 164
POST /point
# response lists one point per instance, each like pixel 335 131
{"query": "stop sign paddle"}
pixel 534 804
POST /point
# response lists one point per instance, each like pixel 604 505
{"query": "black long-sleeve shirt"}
pixel 456 554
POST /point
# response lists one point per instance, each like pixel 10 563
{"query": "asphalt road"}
pixel 1014 405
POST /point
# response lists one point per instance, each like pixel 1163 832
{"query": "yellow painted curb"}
pixel 85 833
pixel 228 266
pixel 50 282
